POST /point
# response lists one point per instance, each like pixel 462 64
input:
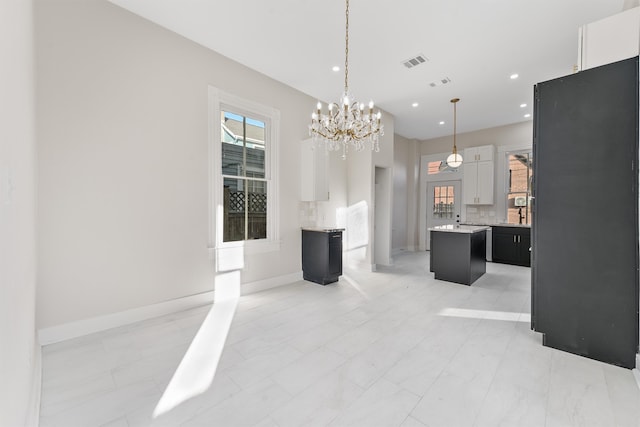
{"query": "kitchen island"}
pixel 458 252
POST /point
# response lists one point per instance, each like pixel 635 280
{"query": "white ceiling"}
pixel 477 44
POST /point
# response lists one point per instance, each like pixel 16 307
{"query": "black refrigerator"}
pixel 584 297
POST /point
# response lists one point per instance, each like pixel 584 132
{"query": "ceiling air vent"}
pixel 417 60
pixel 442 81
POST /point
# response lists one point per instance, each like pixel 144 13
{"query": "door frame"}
pixel 425 178
pixel 432 222
pixel 382 202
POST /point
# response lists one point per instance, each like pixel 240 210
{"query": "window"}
pixel 438 167
pixel 519 178
pixel 443 202
pixel 244 173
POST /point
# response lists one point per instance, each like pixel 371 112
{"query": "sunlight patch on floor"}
pixel 198 366
pixel 486 314
pixel 354 284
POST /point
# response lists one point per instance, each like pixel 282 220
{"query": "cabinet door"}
pixel 470 183
pixel 335 254
pixel 485 153
pixel 470 154
pixel 485 183
pixel 503 247
pixel 524 254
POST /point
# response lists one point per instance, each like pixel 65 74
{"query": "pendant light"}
pixel 454 160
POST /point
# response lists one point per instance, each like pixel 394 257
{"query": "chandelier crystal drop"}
pixel 454 160
pixel 347 121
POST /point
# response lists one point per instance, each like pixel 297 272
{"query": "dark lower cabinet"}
pixel 321 255
pixel 511 245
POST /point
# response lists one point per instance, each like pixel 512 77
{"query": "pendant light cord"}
pixel 455 116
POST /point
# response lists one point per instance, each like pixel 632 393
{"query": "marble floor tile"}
pixel 383 404
pixel 452 400
pixel 507 405
pixel 246 408
pixel 307 370
pixel 388 348
pixel 318 404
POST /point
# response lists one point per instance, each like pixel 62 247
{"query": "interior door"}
pixel 443 204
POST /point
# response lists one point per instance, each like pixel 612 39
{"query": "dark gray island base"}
pixel 458 253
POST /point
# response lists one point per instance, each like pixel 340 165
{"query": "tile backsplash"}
pixel 483 214
pixel 308 213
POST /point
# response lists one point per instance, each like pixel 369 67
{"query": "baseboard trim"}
pixel 273 282
pixel 636 372
pixel 33 416
pixel 83 327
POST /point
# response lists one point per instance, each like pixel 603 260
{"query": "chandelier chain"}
pixel 346 49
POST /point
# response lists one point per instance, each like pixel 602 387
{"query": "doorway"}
pixel 443 205
pixel 382 217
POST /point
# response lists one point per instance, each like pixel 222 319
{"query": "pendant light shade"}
pixel 454 160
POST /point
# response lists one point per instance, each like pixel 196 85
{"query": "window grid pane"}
pixel 245 184
pixel 443 202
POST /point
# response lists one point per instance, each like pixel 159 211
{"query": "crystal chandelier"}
pixel 346 121
pixel 454 160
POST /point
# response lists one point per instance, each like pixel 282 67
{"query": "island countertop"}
pixel 322 229
pixel 460 228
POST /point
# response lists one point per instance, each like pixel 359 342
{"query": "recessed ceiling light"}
pixel 513 76
pixel 415 104
pixel 336 68
pixel 527 115
pixel 523 105
pixel 441 123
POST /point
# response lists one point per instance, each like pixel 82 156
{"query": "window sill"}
pixel 248 247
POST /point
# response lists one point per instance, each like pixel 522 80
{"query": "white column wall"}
pixel 19 351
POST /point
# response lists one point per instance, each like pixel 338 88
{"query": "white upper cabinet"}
pixel 314 171
pixel 478 154
pixel 478 179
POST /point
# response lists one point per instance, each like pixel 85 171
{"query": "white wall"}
pixel 405 178
pixel 123 178
pixel 360 195
pixel 19 351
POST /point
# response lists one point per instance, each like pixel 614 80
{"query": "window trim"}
pixel 503 177
pixel 219 101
